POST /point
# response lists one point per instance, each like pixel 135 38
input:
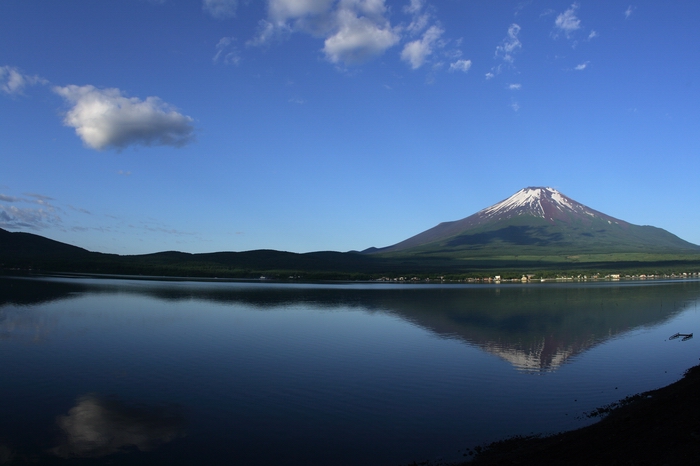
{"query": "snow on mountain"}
pixel 547 203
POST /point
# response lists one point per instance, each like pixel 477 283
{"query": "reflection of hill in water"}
pixel 534 327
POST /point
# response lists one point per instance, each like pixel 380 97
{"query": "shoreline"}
pixel 658 427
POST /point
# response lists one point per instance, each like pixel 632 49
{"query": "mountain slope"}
pixel 536 220
pixel 19 245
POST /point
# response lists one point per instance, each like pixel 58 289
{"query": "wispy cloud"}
pixel 220 9
pixel 79 209
pixel 510 45
pixel 514 87
pixel 592 34
pixel 13 217
pixel 628 12
pixel 582 66
pixel 225 53
pixel 13 81
pixel 6 198
pixel 568 22
pixel 105 118
pixel 34 218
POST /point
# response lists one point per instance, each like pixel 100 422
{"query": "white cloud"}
pixel 220 9
pixel 417 51
pixel 592 35
pixel 489 75
pixel 105 118
pixel 461 65
pixel 514 87
pixel 581 67
pixel 567 22
pixel 515 106
pixel 13 81
pixel 358 38
pixel 230 57
pixel 353 30
pixel 628 12
pixel 510 44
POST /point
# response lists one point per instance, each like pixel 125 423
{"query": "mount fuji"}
pixel 538 220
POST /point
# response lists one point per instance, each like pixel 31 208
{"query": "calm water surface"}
pixel 106 371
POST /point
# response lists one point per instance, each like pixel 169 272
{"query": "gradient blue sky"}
pixel 135 126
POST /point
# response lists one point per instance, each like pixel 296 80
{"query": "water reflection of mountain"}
pixel 534 327
pixel 540 327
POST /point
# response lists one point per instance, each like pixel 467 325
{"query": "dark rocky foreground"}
pixel 660 427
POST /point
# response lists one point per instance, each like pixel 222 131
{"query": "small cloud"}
pixel 489 75
pixel 105 118
pixel 296 100
pixel 13 81
pixel 568 22
pixel 230 57
pixel 514 87
pixel 417 51
pixel 592 35
pixel 461 65
pixel 220 9
pixel 628 12
pixel 582 66
pixel 124 173
pixel 515 106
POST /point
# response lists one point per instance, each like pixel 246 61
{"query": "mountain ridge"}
pixel 535 230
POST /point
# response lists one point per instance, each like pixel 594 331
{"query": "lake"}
pixel 127 371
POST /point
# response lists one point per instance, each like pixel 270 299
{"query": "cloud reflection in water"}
pixel 97 427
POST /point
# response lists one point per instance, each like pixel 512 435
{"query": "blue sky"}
pixel 136 126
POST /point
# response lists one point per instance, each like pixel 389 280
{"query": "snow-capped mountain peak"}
pixel 547 203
